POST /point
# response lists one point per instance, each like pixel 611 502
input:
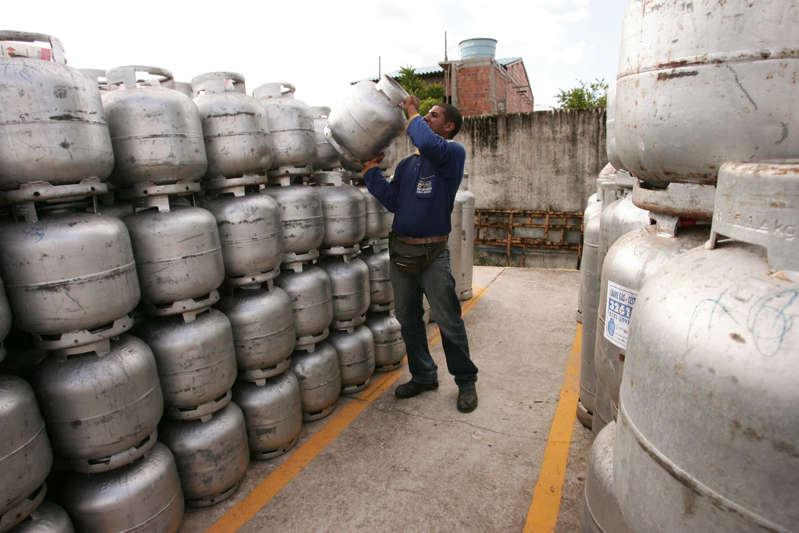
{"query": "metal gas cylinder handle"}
pixel 758 203
pixel 218 82
pixel 56 46
pixel 126 75
pixel 278 89
pixel 392 90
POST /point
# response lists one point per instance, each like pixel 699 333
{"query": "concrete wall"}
pixel 540 160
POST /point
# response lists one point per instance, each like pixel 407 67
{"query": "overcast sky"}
pixel 321 47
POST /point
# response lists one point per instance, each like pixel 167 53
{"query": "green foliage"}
pixel 429 95
pixel 586 96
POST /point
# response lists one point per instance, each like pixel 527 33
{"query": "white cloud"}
pixel 323 46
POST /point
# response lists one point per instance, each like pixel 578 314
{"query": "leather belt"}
pixel 422 240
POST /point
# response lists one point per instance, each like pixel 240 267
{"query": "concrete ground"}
pixel 381 464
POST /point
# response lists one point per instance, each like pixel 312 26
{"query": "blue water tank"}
pixel 477 47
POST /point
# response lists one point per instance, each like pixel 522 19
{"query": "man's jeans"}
pixel 437 283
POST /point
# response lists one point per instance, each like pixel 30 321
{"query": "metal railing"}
pixel 518 231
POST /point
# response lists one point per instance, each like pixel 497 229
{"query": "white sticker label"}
pixel 618 312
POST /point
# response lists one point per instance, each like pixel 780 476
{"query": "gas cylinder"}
pixel 196 362
pixel 47 518
pixel 367 119
pixel 344 211
pixel 25 454
pixel 5 320
pixel 292 126
pixel 707 415
pixel 349 282
pixel 381 292
pixel 250 233
pixel 454 242
pixel 302 220
pixel 59 272
pixel 465 197
pixel 634 257
pixel 54 131
pixel 156 131
pixel 356 356
pixel 178 256
pixel 143 497
pixel 101 407
pixel 319 374
pixel 325 156
pixel 211 454
pixel 263 329
pixel 601 508
pixel 310 291
pixel 700 83
pixel 237 139
pixel 273 412
pixel 389 346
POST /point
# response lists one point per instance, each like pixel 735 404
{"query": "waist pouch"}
pixel 413 258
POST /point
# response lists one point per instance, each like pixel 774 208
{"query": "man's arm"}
pixel 376 184
pixel 430 145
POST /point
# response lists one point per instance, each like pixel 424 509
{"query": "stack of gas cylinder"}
pixel 159 254
pixel 689 372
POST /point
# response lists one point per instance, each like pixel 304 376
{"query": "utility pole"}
pixel 379 67
pixel 445 45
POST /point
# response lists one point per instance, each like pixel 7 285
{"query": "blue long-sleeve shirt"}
pixel 422 193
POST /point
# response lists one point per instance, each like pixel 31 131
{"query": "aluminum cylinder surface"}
pixel 178 254
pixel 454 242
pixel 310 292
pixel 250 233
pixel 273 412
pixel 237 139
pixel 601 508
pixel 367 119
pixel 381 292
pixel 212 456
pixel 196 362
pixel 156 131
pixel 630 261
pixel 356 357
pixel 701 83
pixel 592 208
pixel 52 124
pixel 610 126
pixel 468 234
pixel 707 414
pixel 301 216
pixel 617 219
pixel 590 271
pixel 47 518
pixel 378 218
pixel 325 156
pixel 263 330
pixel 101 410
pixel 319 375
pixel 5 319
pixel 25 454
pixel 344 211
pixel 143 497
pixel 292 127
pixel 349 282
pixel 60 271
pixel 389 346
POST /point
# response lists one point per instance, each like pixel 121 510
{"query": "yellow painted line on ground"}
pixel 543 513
pixel 242 512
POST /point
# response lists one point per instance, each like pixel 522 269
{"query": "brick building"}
pixel 479 84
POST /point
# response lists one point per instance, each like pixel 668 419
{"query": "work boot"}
pixel 412 388
pixel 467 399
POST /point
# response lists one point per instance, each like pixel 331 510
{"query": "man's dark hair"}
pixel 451 114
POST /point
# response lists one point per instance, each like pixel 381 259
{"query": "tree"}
pixel 429 95
pixel 586 96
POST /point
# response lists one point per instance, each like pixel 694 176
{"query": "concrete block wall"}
pixel 539 160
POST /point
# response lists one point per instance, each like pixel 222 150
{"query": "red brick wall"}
pixel 474 89
pixel 519 102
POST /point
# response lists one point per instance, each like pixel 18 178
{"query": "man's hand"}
pixel 374 161
pixel 410 105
